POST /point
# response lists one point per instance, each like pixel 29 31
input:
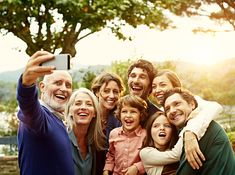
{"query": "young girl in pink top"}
pixel 126 141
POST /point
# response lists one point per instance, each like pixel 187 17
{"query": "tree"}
pixel 87 79
pixel 165 65
pixel 223 11
pixel 120 68
pixel 60 24
pixel 7 97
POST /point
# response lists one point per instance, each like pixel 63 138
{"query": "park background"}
pixel 192 37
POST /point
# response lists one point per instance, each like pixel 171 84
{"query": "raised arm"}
pixel 27 95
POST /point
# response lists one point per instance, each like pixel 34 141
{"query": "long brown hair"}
pixel 149 140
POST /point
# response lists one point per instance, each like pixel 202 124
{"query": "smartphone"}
pixel 61 62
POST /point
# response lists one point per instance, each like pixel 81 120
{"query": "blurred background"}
pixel 192 37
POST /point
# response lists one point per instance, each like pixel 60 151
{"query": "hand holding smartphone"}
pixel 61 62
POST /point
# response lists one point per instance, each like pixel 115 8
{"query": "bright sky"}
pixel 103 47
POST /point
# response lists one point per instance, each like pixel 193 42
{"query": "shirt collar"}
pixel 73 138
pixel 136 132
pixel 57 114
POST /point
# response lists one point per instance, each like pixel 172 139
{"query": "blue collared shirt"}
pixel 81 166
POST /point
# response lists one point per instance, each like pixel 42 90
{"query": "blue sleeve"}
pixel 31 112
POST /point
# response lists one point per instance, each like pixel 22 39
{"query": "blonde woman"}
pixel 85 131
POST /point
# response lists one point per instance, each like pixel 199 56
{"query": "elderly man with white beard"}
pixel 44 146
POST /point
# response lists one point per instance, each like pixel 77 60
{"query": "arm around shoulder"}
pixel 201 117
pixel 153 157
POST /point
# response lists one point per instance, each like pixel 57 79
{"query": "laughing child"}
pixel 126 141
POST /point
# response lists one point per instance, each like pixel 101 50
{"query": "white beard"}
pixel 59 107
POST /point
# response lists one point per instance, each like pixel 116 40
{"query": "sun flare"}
pixel 203 50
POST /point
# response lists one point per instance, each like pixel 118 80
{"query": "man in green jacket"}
pixel 215 145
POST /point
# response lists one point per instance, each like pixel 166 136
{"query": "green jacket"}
pixel 216 147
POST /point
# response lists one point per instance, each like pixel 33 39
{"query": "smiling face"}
pixel 177 110
pixel 109 94
pixel 161 132
pixel 139 83
pixel 56 89
pixel 160 85
pixel 82 109
pixel 130 118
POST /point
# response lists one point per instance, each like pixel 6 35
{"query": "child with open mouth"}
pixel 126 141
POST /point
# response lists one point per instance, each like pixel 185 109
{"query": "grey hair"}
pixel 68 117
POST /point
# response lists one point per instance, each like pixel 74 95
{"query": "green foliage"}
pixel 120 68
pixel 84 76
pixel 60 24
pixel 76 78
pixel 7 91
pixel 87 79
pixel 231 136
pixel 8 106
pixel 7 97
pixel 227 97
pixel 12 125
pixel 165 65
pixel 10 150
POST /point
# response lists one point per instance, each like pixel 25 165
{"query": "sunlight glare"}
pixel 202 54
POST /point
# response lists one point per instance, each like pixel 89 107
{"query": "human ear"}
pixel 142 116
pixel 41 86
pixel 192 104
pixel 94 115
pixel 97 93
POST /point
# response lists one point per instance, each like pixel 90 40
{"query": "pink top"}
pixel 124 150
